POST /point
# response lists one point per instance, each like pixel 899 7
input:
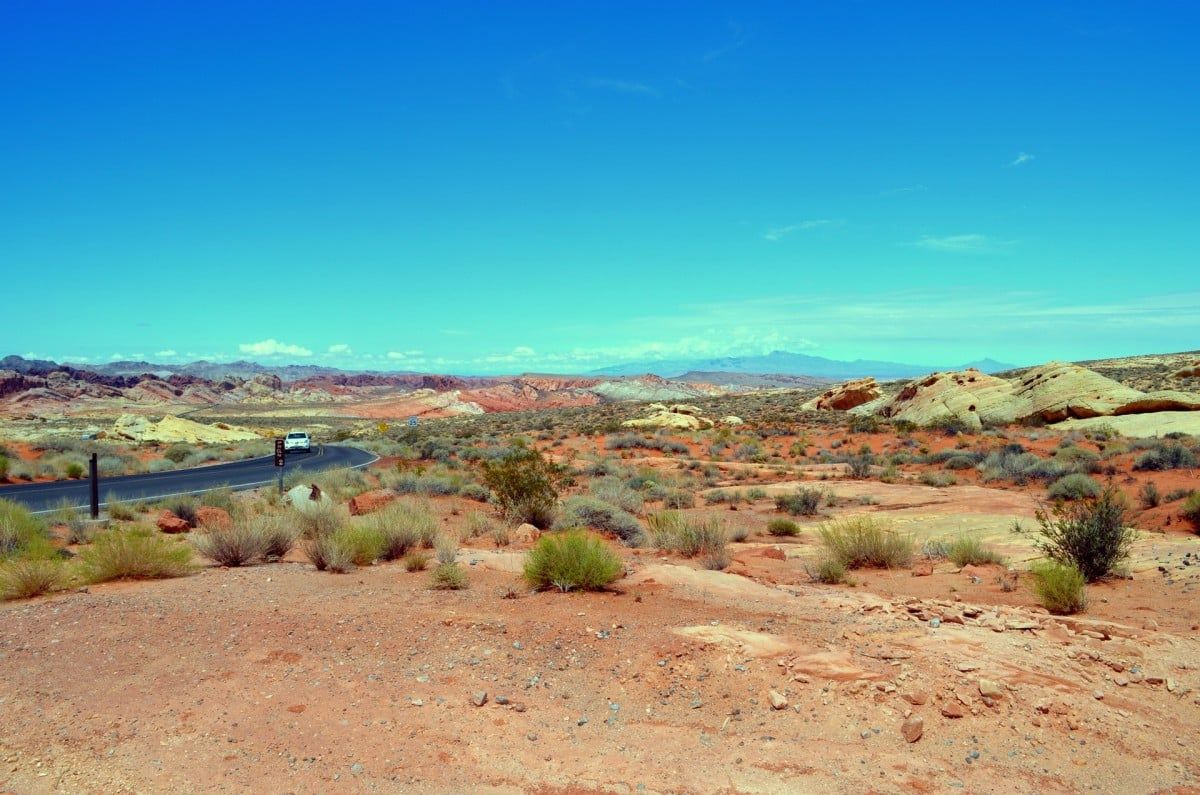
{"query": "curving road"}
pixel 236 474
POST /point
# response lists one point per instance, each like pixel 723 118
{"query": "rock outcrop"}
pixel 370 501
pixel 1053 392
pixel 170 430
pixel 681 416
pixel 170 523
pixel 846 396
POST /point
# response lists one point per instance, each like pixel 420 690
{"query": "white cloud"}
pixel 167 352
pixel 341 349
pixel 271 347
pixel 625 87
pixel 1021 159
pixel 405 354
pixel 778 233
pixel 956 243
pixel 117 356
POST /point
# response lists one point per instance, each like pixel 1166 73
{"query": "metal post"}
pixel 93 477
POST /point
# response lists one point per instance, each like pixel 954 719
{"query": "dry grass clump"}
pixel 25 578
pixel 278 534
pixel 671 530
pixel 783 527
pixel 448 577
pixel 803 502
pixel 238 545
pixel 863 542
pixel 403 525
pixel 593 512
pixel 20 531
pixel 136 553
pixel 970 551
pixel 416 561
pixel 329 553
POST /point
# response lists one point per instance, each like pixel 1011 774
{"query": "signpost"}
pixel 412 422
pixel 279 458
pixel 93 473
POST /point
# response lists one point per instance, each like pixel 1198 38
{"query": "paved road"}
pixel 236 474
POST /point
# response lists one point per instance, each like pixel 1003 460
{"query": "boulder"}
pixel 526 534
pixel 732 420
pixel 1190 371
pixel 305 499
pixel 912 728
pixel 844 397
pixel 679 416
pixel 213 518
pixel 170 523
pixel 370 501
pixel 171 430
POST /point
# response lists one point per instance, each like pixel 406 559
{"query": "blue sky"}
pixel 557 187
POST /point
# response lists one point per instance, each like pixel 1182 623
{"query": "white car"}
pixel 297 440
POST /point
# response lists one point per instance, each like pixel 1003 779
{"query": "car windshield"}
pixel 297 435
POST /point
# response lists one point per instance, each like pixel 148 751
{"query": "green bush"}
pixel 615 492
pixel 1191 510
pixel 1167 456
pixel 330 552
pixel 446 550
pixel 938 480
pixel 1074 487
pixel 1090 535
pixel 970 551
pixel 828 570
pixel 121 511
pixel 571 560
pixel 220 498
pixel 783 527
pixel 475 491
pixel 238 545
pixel 20 531
pixel 678 498
pixel 1060 588
pixel 24 579
pixel 524 485
pixel 3 467
pixel 177 453
pixel 803 502
pixel 137 553
pixel 861 541
pixel 278 535
pixel 319 519
pixel 596 513
pixel 448 577
pixel 863 423
pixel 365 542
pixel 79 531
pixel 1149 496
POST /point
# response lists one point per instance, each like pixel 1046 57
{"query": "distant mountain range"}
pixel 793 364
pixel 783 369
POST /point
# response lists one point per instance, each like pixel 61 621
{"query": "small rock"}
pixel 913 728
pixel 952 710
pixel 990 689
pixel 479 698
pixel 778 700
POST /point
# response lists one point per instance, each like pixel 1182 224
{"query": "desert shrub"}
pixel 446 550
pixel 1079 459
pixel 783 527
pixel 689 537
pixel 860 465
pixel 571 560
pixel 3 467
pixel 802 502
pixel 416 560
pixel 232 546
pixel 448 577
pixel 861 541
pixel 615 492
pixel 827 570
pixel 863 423
pixel 1178 494
pixel 717 560
pixel 475 491
pixel 177 453
pixel 1073 487
pixel 600 515
pixel 24 579
pixel 968 550
pixel 1191 510
pixel 339 484
pixel 1089 534
pixel 935 549
pixel 1149 496
pixel 500 536
pixel 628 441
pixel 1059 587
pixel 678 498
pixel 319 519
pixel 219 498
pixel 329 552
pixel 938 480
pixel 477 525
pixel 959 462
pixel 722 496
pixel 365 542
pixel 524 485
pixel 136 553
pixel 404 524
pixel 739 533
pixel 1163 457
pixel 277 533
pixel 182 505
pixel 78 529
pixel 20 530
pixel 121 511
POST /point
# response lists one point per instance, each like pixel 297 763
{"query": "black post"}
pixel 95 484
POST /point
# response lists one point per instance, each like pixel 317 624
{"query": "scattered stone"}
pixel 778 700
pixel 913 728
pixel 479 698
pixel 952 710
pixel 990 689
pixel 170 523
pixel 917 698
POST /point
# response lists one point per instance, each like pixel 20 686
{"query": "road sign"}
pixel 412 422
pixel 279 452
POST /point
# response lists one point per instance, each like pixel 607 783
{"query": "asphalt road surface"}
pixel 236 475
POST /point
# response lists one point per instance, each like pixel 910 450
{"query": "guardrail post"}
pixel 94 482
